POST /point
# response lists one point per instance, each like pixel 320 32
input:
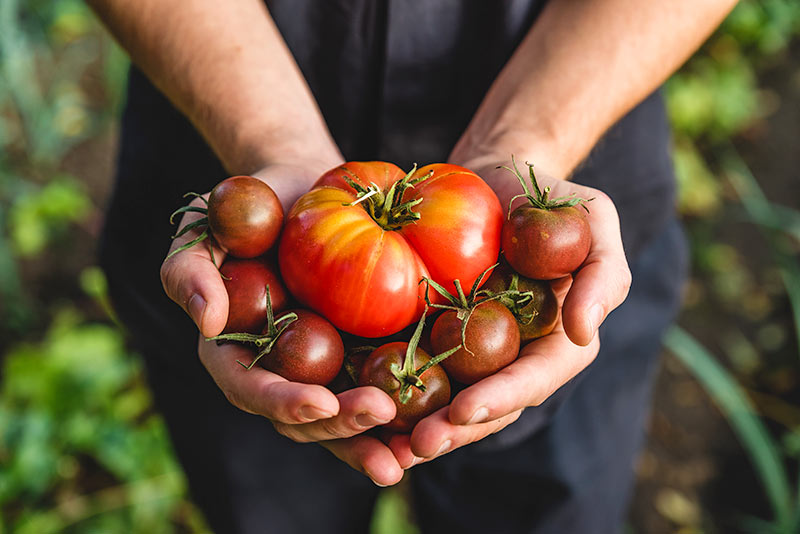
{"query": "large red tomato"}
pixel 356 246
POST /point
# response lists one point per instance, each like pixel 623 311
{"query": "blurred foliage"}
pixel 744 275
pixel 81 449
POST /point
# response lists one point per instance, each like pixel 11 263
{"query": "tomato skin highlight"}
pixel 545 244
pixel 310 351
pixel 245 216
pixel 492 335
pixel 246 281
pixel 336 259
pixel 376 371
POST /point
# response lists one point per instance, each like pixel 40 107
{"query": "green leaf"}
pixel 740 413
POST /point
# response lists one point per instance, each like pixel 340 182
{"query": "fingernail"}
pixel 197 306
pixel 312 413
pixel 444 448
pixel 414 462
pixel 368 420
pixel 480 416
pixel 595 317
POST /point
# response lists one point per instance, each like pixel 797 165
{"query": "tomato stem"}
pixel 516 300
pixel 274 329
pixel 464 305
pixel 200 223
pixel 537 197
pixel 386 207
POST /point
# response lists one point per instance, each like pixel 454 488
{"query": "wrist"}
pixel 255 148
pixel 540 147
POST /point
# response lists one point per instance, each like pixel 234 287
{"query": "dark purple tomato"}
pixel 377 371
pixel 492 336
pixel 539 316
pixel 310 350
pixel 246 282
pixel 348 375
pixel 245 216
pixel 545 244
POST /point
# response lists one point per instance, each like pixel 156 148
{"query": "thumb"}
pixel 603 282
pixel 193 281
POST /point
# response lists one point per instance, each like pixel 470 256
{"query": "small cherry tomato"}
pixel 309 350
pixel 246 282
pixel 381 370
pixel 537 315
pixel 242 215
pixel 545 238
pixel 491 340
pixel 245 216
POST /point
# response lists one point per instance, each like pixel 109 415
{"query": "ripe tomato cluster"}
pixel 371 250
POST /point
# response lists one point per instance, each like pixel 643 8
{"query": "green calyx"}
pixel 262 342
pixel 386 207
pixel 540 198
pixel 201 223
pixel 407 375
pixel 464 305
pixel 516 301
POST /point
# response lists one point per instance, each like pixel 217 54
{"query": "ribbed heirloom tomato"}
pixel 356 246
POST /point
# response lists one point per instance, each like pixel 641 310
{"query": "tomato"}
pixel 492 341
pixel 246 282
pixel 309 350
pixel 356 246
pixel 299 345
pixel 354 359
pixel 546 244
pixel 535 317
pixel 244 216
pixel 546 238
pixel 377 371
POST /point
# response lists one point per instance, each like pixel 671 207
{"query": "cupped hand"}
pixel 192 280
pixel 544 365
pixel 302 412
pixel 308 413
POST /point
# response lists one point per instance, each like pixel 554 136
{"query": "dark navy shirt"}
pixel 396 80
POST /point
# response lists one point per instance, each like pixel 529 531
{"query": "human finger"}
pixel 543 366
pixel 359 410
pixel 367 455
pixel 435 436
pixel 193 281
pixel 603 280
pixel 262 392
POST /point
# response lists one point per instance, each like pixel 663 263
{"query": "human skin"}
pixel 581 67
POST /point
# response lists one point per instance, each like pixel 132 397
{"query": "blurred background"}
pixel 81 449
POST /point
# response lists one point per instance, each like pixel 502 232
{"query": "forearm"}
pixel 226 67
pixel 582 66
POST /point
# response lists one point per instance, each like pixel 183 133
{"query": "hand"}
pixel 307 413
pixel 302 412
pixel 544 365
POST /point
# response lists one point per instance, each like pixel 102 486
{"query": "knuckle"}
pixel 236 400
pixel 169 280
pixel 625 281
pixel 601 197
pixel 548 386
pixel 335 429
pixel 289 431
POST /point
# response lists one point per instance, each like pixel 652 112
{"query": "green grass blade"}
pixel 739 411
pixel 773 221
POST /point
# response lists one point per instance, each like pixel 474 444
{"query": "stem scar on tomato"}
pixel 385 208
